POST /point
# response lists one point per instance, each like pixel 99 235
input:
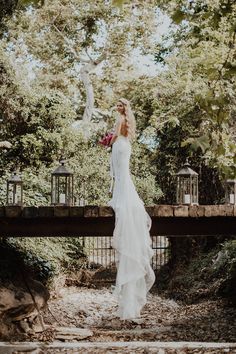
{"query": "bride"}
pixel 131 238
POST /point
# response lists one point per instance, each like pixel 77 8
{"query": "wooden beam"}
pixel 68 226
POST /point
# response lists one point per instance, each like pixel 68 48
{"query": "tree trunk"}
pixel 85 72
pixel 85 77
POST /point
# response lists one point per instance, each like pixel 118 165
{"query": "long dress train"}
pixel 131 237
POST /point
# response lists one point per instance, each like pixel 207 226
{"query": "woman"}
pixel 131 238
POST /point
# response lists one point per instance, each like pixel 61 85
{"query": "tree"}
pixel 73 37
pixel 201 78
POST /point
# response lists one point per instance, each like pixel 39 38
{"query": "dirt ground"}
pixel 165 326
pixel 161 320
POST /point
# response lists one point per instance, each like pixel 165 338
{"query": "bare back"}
pixel 124 129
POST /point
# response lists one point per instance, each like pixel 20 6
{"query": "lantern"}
pixel 14 190
pixel 230 191
pixel 187 186
pixel 62 186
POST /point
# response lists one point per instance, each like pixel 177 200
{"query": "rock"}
pixel 211 210
pixel 150 210
pixel 13 211
pixel 20 349
pixel 226 210
pixel 137 321
pixel 105 211
pixel 5 144
pixel 30 212
pixel 163 210
pixel 19 308
pixel 24 325
pixel 70 333
pixel 46 211
pixel 115 323
pixel 91 211
pixel 77 211
pixel 196 211
pixel 181 210
pixel 61 211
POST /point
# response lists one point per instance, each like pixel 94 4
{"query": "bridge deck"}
pixel 167 220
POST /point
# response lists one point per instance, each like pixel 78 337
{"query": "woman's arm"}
pixel 117 131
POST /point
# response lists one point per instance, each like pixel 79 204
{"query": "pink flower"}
pixel 105 141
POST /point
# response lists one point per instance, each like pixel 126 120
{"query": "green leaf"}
pixel 202 142
pixel 178 16
pixel 118 3
pixel 187 142
pixel 24 3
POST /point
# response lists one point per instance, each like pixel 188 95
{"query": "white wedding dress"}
pixel 131 237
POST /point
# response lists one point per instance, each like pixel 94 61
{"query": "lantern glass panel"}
pixel 14 193
pixel 230 192
pixel 186 190
pixel 194 190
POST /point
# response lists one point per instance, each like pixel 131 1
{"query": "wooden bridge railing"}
pixel 167 220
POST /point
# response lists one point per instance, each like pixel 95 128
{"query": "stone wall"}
pixel 93 211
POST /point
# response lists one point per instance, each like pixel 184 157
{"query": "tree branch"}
pixel 87 68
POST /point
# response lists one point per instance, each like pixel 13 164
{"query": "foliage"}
pixel 7 7
pixel 43 257
pixel 225 260
pixel 208 272
pixel 218 266
pixel 62 36
pixel 199 82
pixel 36 186
pixel 38 108
pixel 187 110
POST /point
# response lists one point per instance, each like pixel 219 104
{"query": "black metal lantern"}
pixel 230 191
pixel 187 186
pixel 14 190
pixel 62 186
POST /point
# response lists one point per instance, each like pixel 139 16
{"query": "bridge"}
pixel 90 220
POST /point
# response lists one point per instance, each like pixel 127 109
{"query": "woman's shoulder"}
pixel 119 118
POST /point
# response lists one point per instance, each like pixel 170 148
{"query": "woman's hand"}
pixel 113 139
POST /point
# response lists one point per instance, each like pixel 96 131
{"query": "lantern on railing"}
pixel 62 186
pixel 14 190
pixel 230 191
pixel 187 186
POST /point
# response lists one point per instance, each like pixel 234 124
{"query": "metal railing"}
pixel 100 252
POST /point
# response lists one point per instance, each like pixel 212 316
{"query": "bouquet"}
pixel 105 141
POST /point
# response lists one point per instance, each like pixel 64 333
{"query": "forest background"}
pixel 64 64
